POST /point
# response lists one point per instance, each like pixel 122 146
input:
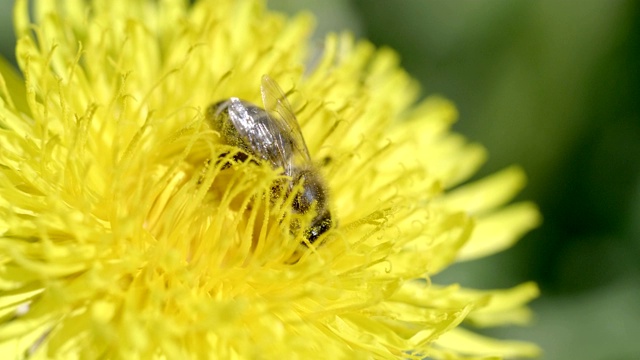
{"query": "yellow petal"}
pixel 499 230
pixel 468 343
pixel 505 307
pixel 16 99
pixel 486 194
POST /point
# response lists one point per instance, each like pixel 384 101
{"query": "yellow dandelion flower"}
pixel 130 229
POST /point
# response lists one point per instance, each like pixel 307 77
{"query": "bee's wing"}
pixel 280 112
pixel 260 134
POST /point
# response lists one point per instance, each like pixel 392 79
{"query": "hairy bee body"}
pixel 272 134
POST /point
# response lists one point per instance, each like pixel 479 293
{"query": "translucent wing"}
pixel 258 134
pixel 276 104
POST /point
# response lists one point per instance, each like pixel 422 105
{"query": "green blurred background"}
pixel 555 87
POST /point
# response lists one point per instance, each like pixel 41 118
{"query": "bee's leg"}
pixel 238 157
pixel 278 190
pixel 241 157
pixel 222 158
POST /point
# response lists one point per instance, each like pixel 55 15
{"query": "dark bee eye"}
pixel 313 191
pixel 319 226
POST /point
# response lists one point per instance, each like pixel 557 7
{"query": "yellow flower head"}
pixel 131 228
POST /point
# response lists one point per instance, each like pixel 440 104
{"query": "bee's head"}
pixel 312 195
pixel 320 224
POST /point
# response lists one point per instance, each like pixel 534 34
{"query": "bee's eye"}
pixel 312 191
pixel 320 225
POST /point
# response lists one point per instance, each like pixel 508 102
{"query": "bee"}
pixel 272 134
